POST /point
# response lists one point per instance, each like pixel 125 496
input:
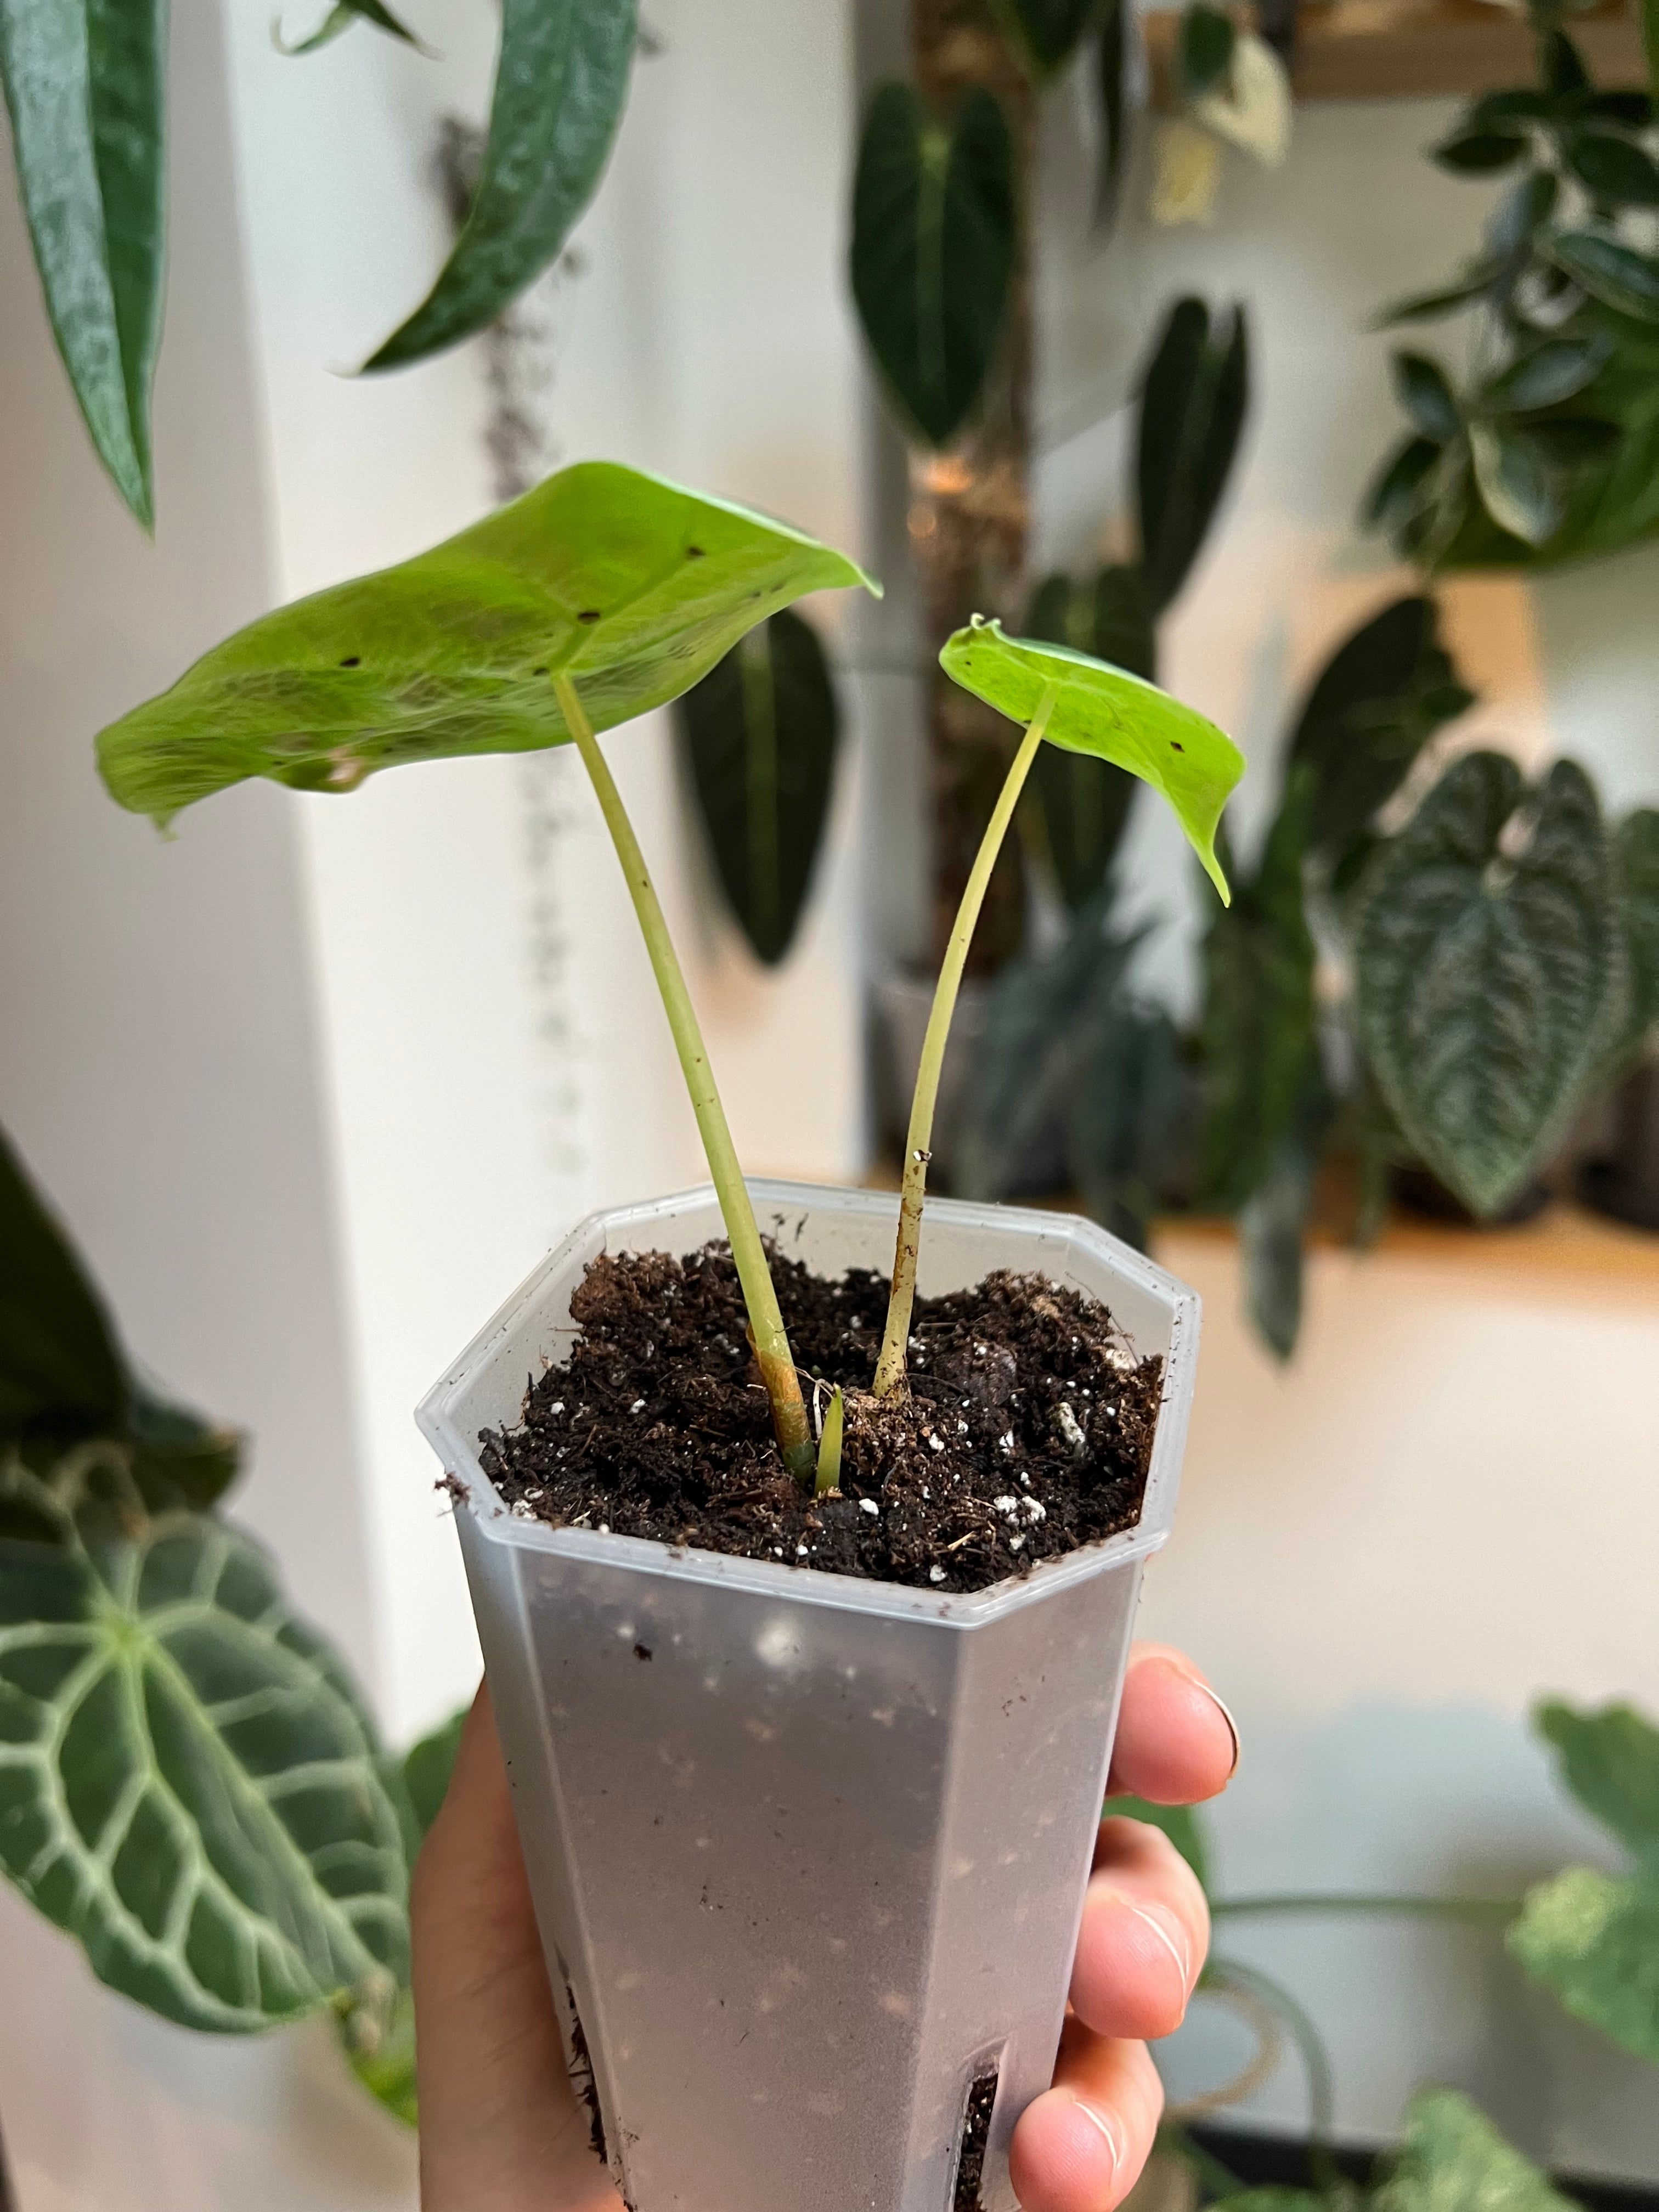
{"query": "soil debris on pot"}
pixel 1027 1431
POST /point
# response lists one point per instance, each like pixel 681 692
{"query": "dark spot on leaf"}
pixel 538 671
pixel 694 553
pixel 641 1651
pixel 1176 746
pixel 588 615
pixel 352 660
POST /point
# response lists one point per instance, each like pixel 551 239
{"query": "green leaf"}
pixel 1085 804
pixel 933 252
pixel 1650 43
pixel 1516 481
pixel 1111 79
pixel 1610 1762
pixel 1618 275
pixel 427 1767
pixel 1453 2159
pixel 189 1783
pixel 1480 153
pixel 760 733
pixel 1274 1220
pixel 1636 846
pixel 1428 306
pixel 1046 33
pixel 1111 715
pixel 1193 404
pixel 1207 38
pixel 1564 67
pixel 1126 1119
pixel 1593 1939
pixel 1487 956
pixel 85 83
pixel 1402 483
pixel 341 17
pixel 1520 214
pixel 1422 389
pixel 1550 373
pixel 561 85
pixel 1379 698
pixel 1497 110
pixel 633 587
pixel 1618 173
pixel 1180 1823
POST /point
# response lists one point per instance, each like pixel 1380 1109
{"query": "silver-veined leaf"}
pixel 1488 965
pixel 85 83
pixel 1111 715
pixel 632 588
pixel 1610 1762
pixel 561 85
pixel 1451 2159
pixel 1592 1939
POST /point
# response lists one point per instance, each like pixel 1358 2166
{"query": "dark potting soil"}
pixel 1027 1431
pixel 975 2134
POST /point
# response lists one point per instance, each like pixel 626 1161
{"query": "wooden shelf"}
pixel 1415 49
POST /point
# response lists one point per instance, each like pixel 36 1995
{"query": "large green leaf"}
pixel 1111 715
pixel 1086 803
pixel 1593 1939
pixel 934 231
pixel 561 84
pixel 1637 849
pixel 760 733
pixel 1453 2159
pixel 85 84
pixel 1193 403
pixel 1610 1762
pixel 189 1784
pixel 1488 963
pixel 1046 33
pixel 1375 704
pixel 631 586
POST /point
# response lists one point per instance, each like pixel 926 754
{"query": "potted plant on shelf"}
pixel 806 1679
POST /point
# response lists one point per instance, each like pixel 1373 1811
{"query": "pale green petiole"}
pixel 829 1445
pixel 771 1342
pixel 889 1368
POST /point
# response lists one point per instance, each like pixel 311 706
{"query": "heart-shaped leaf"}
pixel 1593 1939
pixel 932 251
pixel 561 84
pixel 1616 172
pixel 1111 715
pixel 1487 958
pixel 85 84
pixel 1047 33
pixel 760 733
pixel 1451 2159
pixel 1086 803
pixel 1517 486
pixel 189 1785
pixel 1618 275
pixel 1610 1762
pixel 633 587
pixel 1194 398
pixel 1422 389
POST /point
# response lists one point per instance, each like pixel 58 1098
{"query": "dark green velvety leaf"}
pixel 1650 43
pixel 1593 1939
pixel 1085 804
pixel 341 17
pixel 1045 32
pixel 1479 153
pixel 427 1767
pixel 1180 1823
pixel 1499 111
pixel 932 253
pixel 1402 483
pixel 1616 172
pixel 85 83
pixel 61 1371
pixel 1208 38
pixel 1631 108
pixel 1111 77
pixel 1258 1023
pixel 1383 694
pixel 1574 441
pixel 760 733
pixel 189 1785
pixel 1488 959
pixel 1517 485
pixel 1564 68
pixel 632 588
pixel 1422 389
pixel 1610 1762
pixel 1109 715
pixel 1124 1121
pixel 1274 1220
pixel 1618 275
pixel 1453 2159
pixel 1194 398
pixel 1558 369
pixel 1637 847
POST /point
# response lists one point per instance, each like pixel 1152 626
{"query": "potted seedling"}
pixel 804 1567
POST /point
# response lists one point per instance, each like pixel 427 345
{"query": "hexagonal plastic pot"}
pixel 808 1852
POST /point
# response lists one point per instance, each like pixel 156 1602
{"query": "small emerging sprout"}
pixel 829 1475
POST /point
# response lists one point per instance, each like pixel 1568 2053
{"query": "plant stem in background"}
pixel 1428 1908
pixel 889 1368
pixel 771 1341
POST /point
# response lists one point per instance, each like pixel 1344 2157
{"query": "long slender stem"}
pixel 889 1368
pixel 771 1341
pixel 1426 1908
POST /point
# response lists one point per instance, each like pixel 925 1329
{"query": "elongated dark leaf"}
pixel 1610 1762
pixel 1373 707
pixel 1422 389
pixel 1498 111
pixel 1487 958
pixel 1564 67
pixel 1047 33
pixel 1650 43
pixel 760 733
pixel 1112 35
pixel 933 252
pixel 561 85
pixel 1207 40
pixel 1618 275
pixel 1592 1939
pixel 340 18
pixel 1193 403
pixel 632 588
pixel 1272 1222
pixel 1521 214
pixel 85 83
pixel 1638 851
pixel 1086 803
pixel 1441 299
pixel 189 1785
pixel 1453 2159
pixel 1616 172
pixel 1518 487
pixel 1479 153
pixel 1550 373
pixel 1402 483
pixel 1125 1119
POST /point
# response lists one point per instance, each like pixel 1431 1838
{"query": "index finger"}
pixel 1177 1742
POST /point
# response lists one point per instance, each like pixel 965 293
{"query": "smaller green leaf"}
pixel 1207 38
pixel 1516 481
pixel 1571 442
pixel 427 1767
pixel 1618 275
pixel 1610 1762
pixel 1521 214
pixel 1650 43
pixel 1180 1823
pixel 1402 483
pixel 1616 172
pixel 1111 715
pixel 1564 68
pixel 61 1371
pixel 1422 389
pixel 1111 79
pixel 1430 307
pixel 1631 108
pixel 1272 1222
pixel 1638 849
pixel 381 2051
pixel 1545 375
pixel 1194 398
pixel 1453 2159
pixel 1046 33
pixel 341 17
pixel 1593 1939
pixel 1480 153
pixel 1495 111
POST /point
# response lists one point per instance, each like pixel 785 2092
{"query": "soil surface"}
pixel 1027 1431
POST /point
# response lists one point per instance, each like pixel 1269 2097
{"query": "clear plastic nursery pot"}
pixel 808 1852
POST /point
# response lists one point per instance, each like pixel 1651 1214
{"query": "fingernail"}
pixel 1198 1683
pixel 1171 1935
pixel 1105 2127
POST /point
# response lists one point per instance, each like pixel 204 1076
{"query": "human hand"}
pixel 501 2131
